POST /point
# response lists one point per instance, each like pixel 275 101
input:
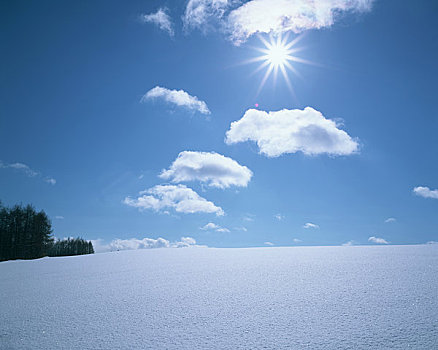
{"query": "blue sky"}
pixel 82 132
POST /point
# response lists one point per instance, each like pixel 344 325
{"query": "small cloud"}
pixel 59 217
pixel 28 171
pixel 279 217
pixel 425 192
pixel 296 240
pixel 161 19
pixel 241 228
pixel 141 176
pixel 213 227
pixel 179 98
pixel 348 244
pixel 210 168
pixel 50 181
pixel 178 197
pixel 388 220
pixel 268 243
pixel 432 242
pixel 310 225
pixel 291 131
pixel 377 240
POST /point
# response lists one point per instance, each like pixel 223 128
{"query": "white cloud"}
pixel 213 227
pixel 265 16
pixel 241 228
pixel 144 243
pixel 179 197
pixel 210 168
pixel 268 243
pixel 348 244
pixel 296 240
pixel 199 13
pixel 426 192
pixel 161 19
pixel 279 217
pixel 50 181
pixel 59 217
pixel 240 21
pixel 389 220
pixel 310 225
pixel 377 240
pixel 432 242
pixel 28 171
pixel 177 97
pixel 291 131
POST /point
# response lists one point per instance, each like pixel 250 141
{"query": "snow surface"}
pixel 205 298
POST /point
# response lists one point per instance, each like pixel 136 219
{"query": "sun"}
pixel 278 55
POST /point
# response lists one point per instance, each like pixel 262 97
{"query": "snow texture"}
pixel 374 297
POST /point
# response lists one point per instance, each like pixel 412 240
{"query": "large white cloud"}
pixel 265 16
pixel 426 192
pixel 241 20
pixel 291 131
pixel 210 168
pixel 177 97
pixel 179 197
pixel 142 243
pixel 161 19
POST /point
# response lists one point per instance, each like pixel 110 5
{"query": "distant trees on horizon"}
pixel 27 234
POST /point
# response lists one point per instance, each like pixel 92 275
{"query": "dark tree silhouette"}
pixel 27 234
pixel 71 246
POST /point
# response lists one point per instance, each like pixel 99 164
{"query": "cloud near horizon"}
pixel 291 131
pixel 160 19
pixel 425 192
pixel 178 197
pixel 144 243
pixel 240 21
pixel 178 98
pixel 378 240
pixel 210 168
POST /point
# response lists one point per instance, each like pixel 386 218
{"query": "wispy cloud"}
pixel 214 227
pixel 143 243
pixel 310 225
pixel 210 168
pixel 279 217
pixel 200 14
pixel 296 240
pixel 28 171
pixel 240 20
pixel 59 217
pixel 377 240
pixel 426 192
pixel 178 197
pixel 389 220
pixel 291 131
pixel 161 19
pixel 348 244
pixel 268 243
pixel 179 98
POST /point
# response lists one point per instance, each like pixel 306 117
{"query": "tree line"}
pixel 27 234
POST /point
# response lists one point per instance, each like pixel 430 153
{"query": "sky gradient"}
pixel 144 119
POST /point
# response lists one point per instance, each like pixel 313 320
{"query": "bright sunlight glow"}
pixel 278 55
